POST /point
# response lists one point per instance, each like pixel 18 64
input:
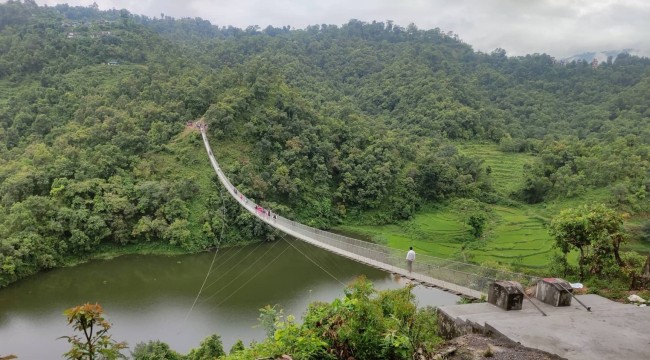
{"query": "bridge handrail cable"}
pixel 472 276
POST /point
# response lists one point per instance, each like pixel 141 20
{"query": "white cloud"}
pixel 558 27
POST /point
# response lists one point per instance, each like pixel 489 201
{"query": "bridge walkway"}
pixel 459 278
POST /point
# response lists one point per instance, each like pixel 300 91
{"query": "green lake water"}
pixel 150 297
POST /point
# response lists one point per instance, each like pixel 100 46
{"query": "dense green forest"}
pixel 362 123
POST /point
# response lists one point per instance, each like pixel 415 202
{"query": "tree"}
pixel 477 222
pixel 155 350
pixel 595 231
pixel 237 346
pixel 365 324
pixel 370 324
pixel 96 343
pixel 210 348
pixel 269 317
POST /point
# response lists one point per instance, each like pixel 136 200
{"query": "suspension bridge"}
pixel 463 279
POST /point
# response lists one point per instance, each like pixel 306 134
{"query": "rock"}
pixel 445 353
pixel 643 305
pixel 635 298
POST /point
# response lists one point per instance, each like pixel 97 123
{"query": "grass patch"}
pixel 642 247
pixel 516 236
pixel 506 168
pixel 436 232
pixel 637 243
pixel 110 251
pixel 519 236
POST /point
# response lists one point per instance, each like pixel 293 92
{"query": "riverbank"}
pixel 110 251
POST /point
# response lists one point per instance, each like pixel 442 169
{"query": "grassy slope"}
pixel 516 235
pixel 633 225
pixel 434 232
pixel 506 167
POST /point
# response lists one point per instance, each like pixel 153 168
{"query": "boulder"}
pixel 635 298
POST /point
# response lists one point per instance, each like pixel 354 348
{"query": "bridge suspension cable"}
pixel 464 279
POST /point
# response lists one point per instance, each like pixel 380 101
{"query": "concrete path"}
pixel 610 331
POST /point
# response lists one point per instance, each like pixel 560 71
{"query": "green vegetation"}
pixel 595 232
pixel 407 135
pixel 505 167
pixel 365 324
pixel 515 236
pixel 94 341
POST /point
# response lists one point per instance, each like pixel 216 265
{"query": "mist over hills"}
pixel 600 56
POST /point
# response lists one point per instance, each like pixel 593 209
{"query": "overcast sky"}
pixel 560 28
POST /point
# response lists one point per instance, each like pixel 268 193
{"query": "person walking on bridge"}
pixel 410 256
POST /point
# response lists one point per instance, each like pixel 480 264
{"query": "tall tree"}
pixel 595 231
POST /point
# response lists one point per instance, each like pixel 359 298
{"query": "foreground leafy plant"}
pixel 96 343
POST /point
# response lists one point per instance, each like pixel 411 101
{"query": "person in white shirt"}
pixel 410 256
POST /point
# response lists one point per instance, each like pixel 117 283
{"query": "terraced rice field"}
pixel 516 237
pixel 507 168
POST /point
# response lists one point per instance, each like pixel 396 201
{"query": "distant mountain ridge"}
pixel 601 56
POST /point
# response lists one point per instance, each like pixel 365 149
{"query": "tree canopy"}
pixel 321 124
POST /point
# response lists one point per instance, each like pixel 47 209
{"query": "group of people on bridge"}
pixel 258 209
pixel 265 212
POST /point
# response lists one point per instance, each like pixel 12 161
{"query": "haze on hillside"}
pixel 558 28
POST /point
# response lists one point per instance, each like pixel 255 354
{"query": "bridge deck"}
pixel 371 254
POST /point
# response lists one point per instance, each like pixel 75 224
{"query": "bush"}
pixel 154 350
pixel 210 348
pixel 366 324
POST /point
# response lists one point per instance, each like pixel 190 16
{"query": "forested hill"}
pixel 322 124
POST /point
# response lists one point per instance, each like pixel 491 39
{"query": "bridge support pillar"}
pixel 554 291
pixel 506 295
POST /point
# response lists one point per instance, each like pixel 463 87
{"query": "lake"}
pixel 150 297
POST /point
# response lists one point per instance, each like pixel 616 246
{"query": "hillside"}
pixel 366 126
